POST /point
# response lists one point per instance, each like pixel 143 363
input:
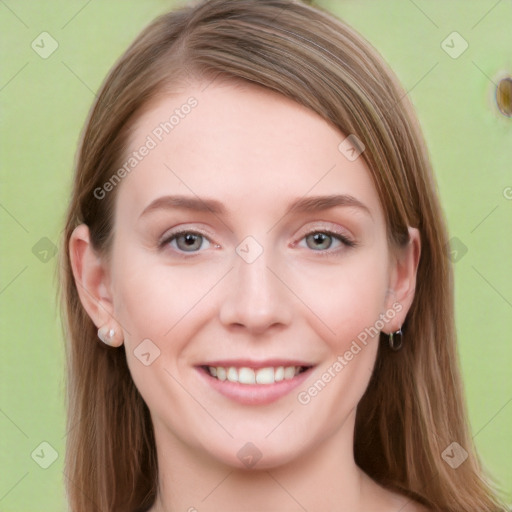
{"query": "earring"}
pixel 395 340
pixel 110 336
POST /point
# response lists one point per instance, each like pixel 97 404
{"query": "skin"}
pixel 255 151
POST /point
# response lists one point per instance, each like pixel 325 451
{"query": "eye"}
pixel 186 241
pixel 323 240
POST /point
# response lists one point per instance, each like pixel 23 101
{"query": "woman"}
pixel 258 300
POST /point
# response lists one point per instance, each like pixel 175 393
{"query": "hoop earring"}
pixel 395 340
pixel 110 336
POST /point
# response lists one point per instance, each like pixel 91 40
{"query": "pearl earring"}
pixel 109 336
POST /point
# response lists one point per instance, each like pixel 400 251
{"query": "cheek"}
pixel 152 299
pixel 344 299
pixel 349 311
pixel 161 308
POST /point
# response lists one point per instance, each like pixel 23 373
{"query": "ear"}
pixel 402 281
pixel 91 277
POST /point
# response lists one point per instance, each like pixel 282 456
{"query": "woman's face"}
pixel 249 241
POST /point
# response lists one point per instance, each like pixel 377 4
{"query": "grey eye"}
pixel 318 241
pixel 189 241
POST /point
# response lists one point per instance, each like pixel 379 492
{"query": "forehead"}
pixel 247 145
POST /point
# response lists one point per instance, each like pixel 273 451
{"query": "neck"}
pixel 324 478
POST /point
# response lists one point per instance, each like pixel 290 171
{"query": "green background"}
pixel 44 105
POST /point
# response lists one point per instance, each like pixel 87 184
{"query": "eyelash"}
pixel 337 236
pixel 341 238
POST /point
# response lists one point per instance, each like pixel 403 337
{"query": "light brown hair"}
pixel 414 406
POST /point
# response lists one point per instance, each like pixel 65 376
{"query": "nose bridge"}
pixel 255 298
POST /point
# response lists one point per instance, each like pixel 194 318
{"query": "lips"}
pixel 254 383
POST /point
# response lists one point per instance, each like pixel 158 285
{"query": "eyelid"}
pixel 328 228
pixel 346 241
pixel 342 239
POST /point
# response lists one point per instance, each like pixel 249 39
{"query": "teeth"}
pixel 232 374
pixel 289 372
pixel 265 376
pixel 279 374
pixel 245 375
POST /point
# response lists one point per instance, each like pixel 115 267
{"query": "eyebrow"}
pixel 309 204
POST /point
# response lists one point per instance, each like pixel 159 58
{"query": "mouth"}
pixel 248 376
pixel 254 383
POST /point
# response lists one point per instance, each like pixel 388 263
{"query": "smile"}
pixel 245 375
pixel 254 383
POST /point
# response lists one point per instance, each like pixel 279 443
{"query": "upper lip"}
pixel 249 363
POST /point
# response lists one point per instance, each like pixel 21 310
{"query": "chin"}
pixel 249 455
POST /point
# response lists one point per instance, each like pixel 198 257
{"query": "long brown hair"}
pixel 414 406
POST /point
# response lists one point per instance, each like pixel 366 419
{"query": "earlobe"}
pixel 92 282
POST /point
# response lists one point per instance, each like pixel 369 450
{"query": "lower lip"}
pixel 254 394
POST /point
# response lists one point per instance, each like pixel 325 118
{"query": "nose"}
pixel 256 297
